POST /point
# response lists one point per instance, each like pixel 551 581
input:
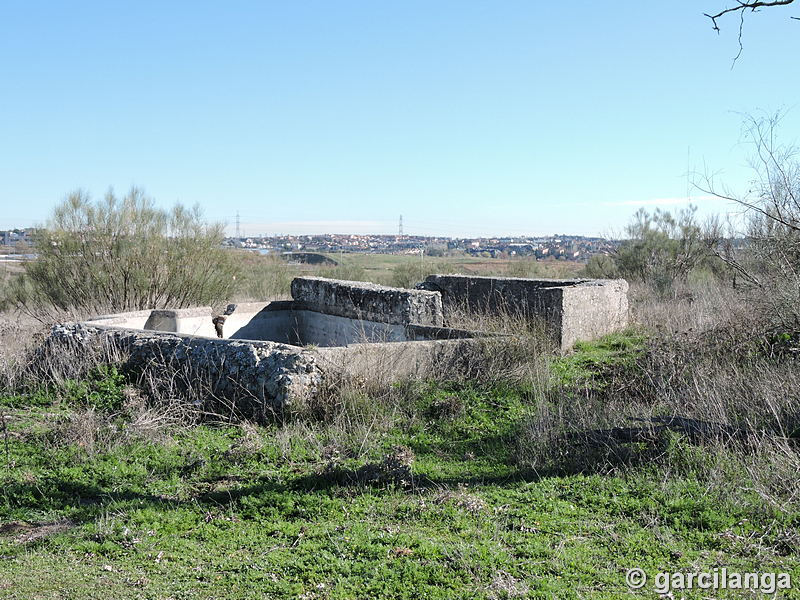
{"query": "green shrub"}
pixel 124 254
pixel 346 272
pixel 267 278
pixel 601 266
pixel 101 389
pixel 662 249
pixel 407 274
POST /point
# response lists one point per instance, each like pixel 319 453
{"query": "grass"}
pixel 391 268
pixel 269 277
pixel 591 361
pixel 425 489
pixel 279 511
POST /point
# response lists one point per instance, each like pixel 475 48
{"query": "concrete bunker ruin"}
pixel 275 354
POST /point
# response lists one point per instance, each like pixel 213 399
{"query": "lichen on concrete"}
pixel 266 376
pixel 368 301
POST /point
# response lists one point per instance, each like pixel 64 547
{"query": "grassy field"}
pixel 383 264
pixel 420 492
pixel 507 485
pixel 265 277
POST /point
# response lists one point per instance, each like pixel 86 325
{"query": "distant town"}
pixel 558 247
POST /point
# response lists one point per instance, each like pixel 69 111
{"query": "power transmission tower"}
pixel 238 230
pixel 400 228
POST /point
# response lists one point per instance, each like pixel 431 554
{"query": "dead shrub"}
pixel 19 334
pixel 461 498
pixel 250 443
pixel 704 398
pixel 449 406
pixel 393 469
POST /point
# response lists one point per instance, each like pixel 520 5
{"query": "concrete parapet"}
pixel 261 377
pixel 575 309
pixel 368 301
pixel 134 320
pixel 593 309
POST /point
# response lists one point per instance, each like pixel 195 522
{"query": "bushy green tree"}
pixel 122 254
pixel 601 266
pixel 661 249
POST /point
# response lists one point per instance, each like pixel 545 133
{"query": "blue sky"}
pixel 468 118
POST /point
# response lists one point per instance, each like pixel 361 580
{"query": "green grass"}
pixel 269 277
pixel 591 361
pixel 380 267
pixel 246 512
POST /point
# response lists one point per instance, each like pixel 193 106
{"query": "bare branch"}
pixel 733 264
pixel 743 6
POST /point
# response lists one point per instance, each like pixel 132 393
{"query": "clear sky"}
pixel 468 118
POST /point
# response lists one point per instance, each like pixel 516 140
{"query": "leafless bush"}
pixel 517 349
pixel 462 498
pixel 89 429
pixel 54 361
pixel 19 334
pixel 767 264
pixel 164 391
pixel 98 431
pixel 368 383
pixel 393 468
pixel 696 305
pixel 193 392
pixel 351 419
pixel 250 443
pixel 703 393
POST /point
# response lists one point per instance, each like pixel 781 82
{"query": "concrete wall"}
pixel 194 321
pixel 320 329
pixel 593 309
pixel 574 309
pixel 282 322
pixel 288 323
pixel 275 321
pixel 389 362
pixel 131 320
pixel 259 376
pixel 539 297
pixel 404 327
pixel 328 312
pixel 368 301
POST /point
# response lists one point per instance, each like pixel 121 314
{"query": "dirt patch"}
pixel 26 533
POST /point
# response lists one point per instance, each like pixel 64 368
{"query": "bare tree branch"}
pixel 742 6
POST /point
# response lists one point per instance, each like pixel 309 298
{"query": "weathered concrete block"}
pixel 261 377
pixel 368 301
pixel 575 309
pixel 593 309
